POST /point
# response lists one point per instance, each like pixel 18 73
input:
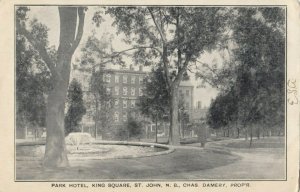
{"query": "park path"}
pixel 255 163
pixel 186 162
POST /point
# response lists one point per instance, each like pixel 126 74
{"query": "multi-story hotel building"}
pixel 125 85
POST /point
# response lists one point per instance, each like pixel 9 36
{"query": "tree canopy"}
pixel 154 102
pixel 258 65
pixel 172 36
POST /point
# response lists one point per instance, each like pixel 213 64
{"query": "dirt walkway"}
pixel 254 164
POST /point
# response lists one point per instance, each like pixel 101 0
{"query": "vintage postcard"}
pixel 150 96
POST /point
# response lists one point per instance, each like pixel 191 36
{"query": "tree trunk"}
pixel 246 133
pixel 147 135
pixel 56 153
pixel 156 129
pixel 174 131
pixel 251 135
pixel 96 117
pixel 182 127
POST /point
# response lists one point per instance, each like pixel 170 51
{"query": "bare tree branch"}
pixel 158 27
pixel 117 53
pixel 207 80
pixel 207 66
pixel 166 68
pixel 81 16
pixel 183 69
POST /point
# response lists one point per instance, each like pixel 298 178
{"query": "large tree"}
pixel 173 36
pixel 71 30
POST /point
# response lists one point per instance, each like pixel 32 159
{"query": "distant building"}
pixel 186 94
pixel 199 113
pixel 125 85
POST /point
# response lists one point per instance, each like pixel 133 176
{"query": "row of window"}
pixel 125 103
pixel 125 79
pixel 187 92
pixel 125 91
pixel 124 116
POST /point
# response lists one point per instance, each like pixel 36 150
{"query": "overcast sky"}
pixel 48 15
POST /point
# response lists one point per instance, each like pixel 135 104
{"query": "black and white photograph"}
pixel 115 94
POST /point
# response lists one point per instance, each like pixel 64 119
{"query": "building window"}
pixel 140 92
pixel 180 93
pixel 141 80
pixel 132 79
pixel 132 103
pixel 116 116
pixel 187 105
pixel 124 103
pixel 108 77
pixel 187 92
pixel 124 116
pixel 124 78
pixel 104 77
pixel 124 90
pixel 132 91
pixel 116 102
pixel 108 104
pixel 116 78
pixel 108 90
pixel 132 114
pixel 116 90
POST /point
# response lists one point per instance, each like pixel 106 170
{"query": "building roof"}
pixel 125 71
pixel 186 84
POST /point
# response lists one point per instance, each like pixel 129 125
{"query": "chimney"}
pixel 141 68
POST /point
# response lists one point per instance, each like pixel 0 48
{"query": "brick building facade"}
pixel 125 85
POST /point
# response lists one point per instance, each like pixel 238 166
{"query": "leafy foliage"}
pixel 76 107
pixel 93 58
pixel 172 36
pixel 134 128
pixel 32 77
pixel 154 102
pixel 256 93
pixel 189 30
pixel 103 100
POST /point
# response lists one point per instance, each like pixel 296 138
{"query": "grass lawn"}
pixel 267 142
pixel 180 161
